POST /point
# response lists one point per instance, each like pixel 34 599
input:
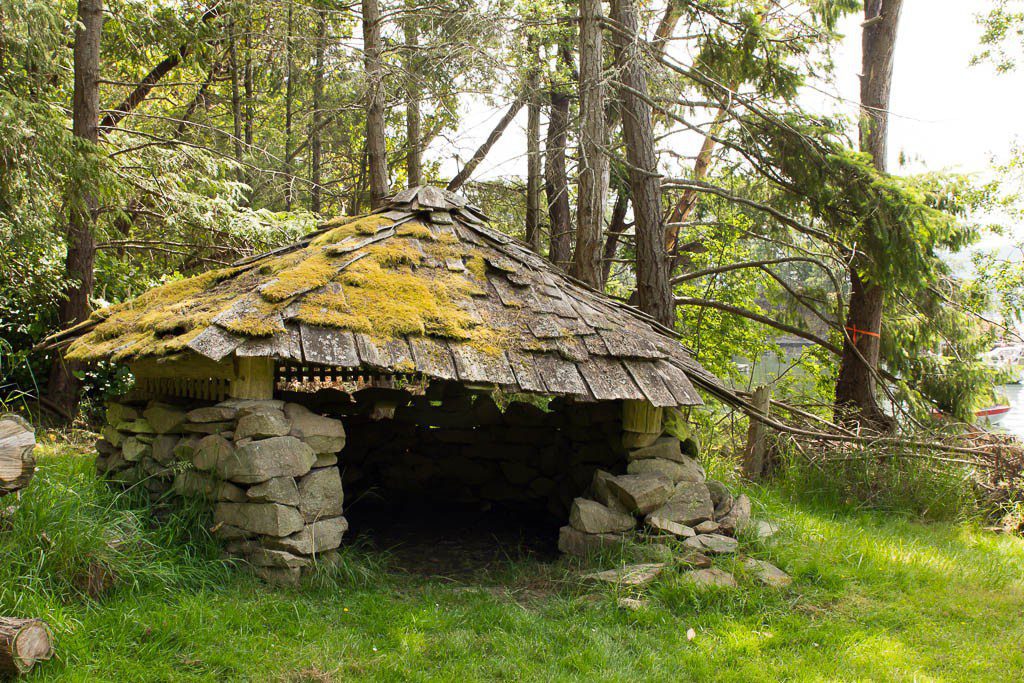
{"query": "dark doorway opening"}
pixel 456 540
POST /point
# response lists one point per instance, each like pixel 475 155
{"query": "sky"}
pixel 945 113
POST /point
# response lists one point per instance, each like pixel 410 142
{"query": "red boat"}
pixel 993 413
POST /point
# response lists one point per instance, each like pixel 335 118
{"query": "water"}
pixel 1013 421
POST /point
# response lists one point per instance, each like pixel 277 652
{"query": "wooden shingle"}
pixel 465 302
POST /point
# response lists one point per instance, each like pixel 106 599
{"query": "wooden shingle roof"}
pixel 424 285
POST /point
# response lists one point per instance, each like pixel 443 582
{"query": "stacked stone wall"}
pixel 268 468
pixel 456 446
pixel 666 491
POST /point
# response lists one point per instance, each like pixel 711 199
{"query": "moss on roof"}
pixel 399 286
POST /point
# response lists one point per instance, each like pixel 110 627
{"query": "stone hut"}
pixel 240 373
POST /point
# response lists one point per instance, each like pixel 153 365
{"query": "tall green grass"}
pixel 70 538
pixel 894 479
pixel 875 596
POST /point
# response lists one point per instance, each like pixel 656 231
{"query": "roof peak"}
pixel 429 198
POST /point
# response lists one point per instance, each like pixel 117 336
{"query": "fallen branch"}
pixel 482 151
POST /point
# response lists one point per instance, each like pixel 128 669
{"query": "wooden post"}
pixel 23 642
pixel 756 450
pixel 642 423
pixel 254 378
pixel 17 441
pixel 641 416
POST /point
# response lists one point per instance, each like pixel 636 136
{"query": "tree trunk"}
pixel 688 199
pixel 236 100
pixel 855 387
pixel 413 119
pixel 653 289
pixel 533 159
pixel 616 226
pixel 81 202
pixel 556 179
pixel 17 442
pixel 593 163
pixel 667 25
pixel 376 145
pixel 23 642
pixel 288 104
pixel 315 144
pixel 481 152
pixel 249 85
pixel 190 110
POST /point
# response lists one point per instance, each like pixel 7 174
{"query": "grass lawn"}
pixel 874 598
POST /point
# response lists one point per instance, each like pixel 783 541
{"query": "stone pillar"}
pixel 269 469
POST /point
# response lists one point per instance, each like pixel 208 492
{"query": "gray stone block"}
pixel 738 516
pixel 676 470
pixel 163 448
pixel 257 461
pixel 134 450
pixel 641 493
pixel 210 450
pixel 277 490
pixel 218 413
pixel 690 504
pixel 665 447
pixel 164 418
pixel 262 425
pixel 575 542
pixel 323 434
pixel 715 544
pixel 320 494
pixel 268 519
pixel 316 537
pixel 591 517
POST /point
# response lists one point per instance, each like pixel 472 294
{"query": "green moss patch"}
pixel 313 271
pixel 393 291
pixel 363 225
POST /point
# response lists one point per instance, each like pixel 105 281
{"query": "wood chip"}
pixel 678 383
pixel 478 366
pixel 432 198
pixel 525 368
pixel 650 382
pixel 369 356
pixel 561 376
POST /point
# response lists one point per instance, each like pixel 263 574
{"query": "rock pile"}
pixel 268 467
pixel 664 490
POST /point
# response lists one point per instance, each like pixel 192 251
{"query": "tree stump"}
pixel 23 642
pixel 17 441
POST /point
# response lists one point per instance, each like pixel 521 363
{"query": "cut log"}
pixel 17 441
pixel 23 642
